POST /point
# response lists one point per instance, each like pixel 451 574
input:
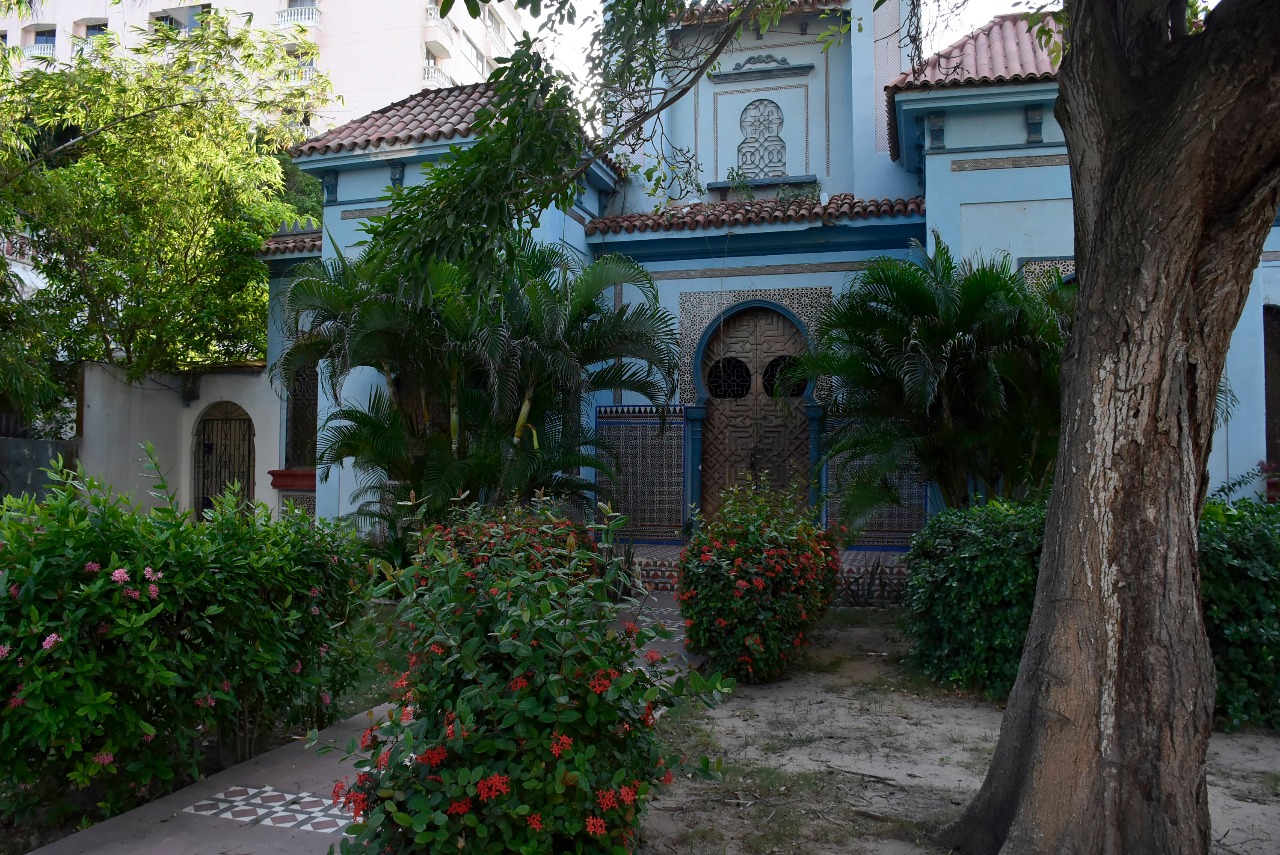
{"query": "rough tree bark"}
pixel 1174 146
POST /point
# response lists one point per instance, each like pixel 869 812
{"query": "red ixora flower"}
pixel 493 786
pixel 627 794
pixel 434 756
pixel 560 743
pixel 459 807
pixel 519 683
pixel 535 821
pixel 601 682
pixel 607 799
pixel 653 657
pixel 596 826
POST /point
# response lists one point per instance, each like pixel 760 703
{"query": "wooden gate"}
pixel 223 453
pixel 747 430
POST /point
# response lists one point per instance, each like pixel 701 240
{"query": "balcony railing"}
pixel 433 15
pixel 307 16
pixel 38 51
pixel 434 78
pixel 498 41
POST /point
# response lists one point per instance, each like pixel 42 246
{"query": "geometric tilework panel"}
pixel 892 525
pixel 1033 271
pixel 270 807
pixel 699 308
pixel 650 466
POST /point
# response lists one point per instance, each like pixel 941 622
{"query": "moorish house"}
pixel 813 162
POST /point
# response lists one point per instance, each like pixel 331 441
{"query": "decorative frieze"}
pixel 979 163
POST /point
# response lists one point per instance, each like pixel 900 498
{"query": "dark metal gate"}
pixel 223 453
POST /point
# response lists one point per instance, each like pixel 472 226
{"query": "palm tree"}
pixel 948 369
pixel 471 369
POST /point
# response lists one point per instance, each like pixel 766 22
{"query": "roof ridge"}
pixel 749 212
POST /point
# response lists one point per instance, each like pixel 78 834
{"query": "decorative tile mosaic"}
pixel 698 309
pixel 1040 267
pixel 271 807
pixel 867 577
pixel 650 486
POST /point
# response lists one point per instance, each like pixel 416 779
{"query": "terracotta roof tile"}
pixel 299 236
pixel 429 115
pixel 1002 51
pixel 843 206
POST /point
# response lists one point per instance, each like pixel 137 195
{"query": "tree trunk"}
pixel 1175 155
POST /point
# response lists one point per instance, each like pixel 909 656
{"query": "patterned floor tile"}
pixel 271 807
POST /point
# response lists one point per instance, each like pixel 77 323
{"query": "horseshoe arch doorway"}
pixel 748 431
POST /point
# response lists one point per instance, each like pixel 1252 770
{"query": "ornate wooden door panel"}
pixel 747 431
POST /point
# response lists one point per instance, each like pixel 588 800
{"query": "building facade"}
pixel 413 45
pixel 813 163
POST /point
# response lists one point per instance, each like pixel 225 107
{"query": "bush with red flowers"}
pixel 525 720
pixel 754 579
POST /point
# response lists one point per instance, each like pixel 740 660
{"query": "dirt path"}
pixel 852 755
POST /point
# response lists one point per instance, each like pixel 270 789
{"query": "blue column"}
pixel 814 412
pixel 693 418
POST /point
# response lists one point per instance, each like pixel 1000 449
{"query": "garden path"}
pixel 278 803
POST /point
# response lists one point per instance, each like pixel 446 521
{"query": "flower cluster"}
pixel 547 746
pixel 754 579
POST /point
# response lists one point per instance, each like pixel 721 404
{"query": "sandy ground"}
pixel 851 755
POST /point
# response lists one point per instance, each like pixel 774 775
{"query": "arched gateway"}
pixel 747 429
pixel 223 453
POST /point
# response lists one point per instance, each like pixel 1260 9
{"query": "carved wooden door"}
pixel 747 430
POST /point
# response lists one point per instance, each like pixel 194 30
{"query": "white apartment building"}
pixel 374 52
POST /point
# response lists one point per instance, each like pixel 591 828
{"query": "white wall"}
pixel 118 417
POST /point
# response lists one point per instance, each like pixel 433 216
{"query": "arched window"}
pixel 762 152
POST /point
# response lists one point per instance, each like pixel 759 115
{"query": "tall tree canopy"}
pixel 145 180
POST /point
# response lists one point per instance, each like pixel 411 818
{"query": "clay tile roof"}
pixel 428 115
pixel 302 235
pixel 1002 51
pixel 843 206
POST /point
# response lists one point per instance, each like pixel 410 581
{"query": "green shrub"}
pixel 524 723
pixel 972 585
pixel 969 595
pixel 754 579
pixel 1240 587
pixel 129 638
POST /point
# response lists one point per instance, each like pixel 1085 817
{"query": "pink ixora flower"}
pixel 325 698
pixel 297 667
pixel 315 592
pixel 4 651
pixel 120 576
pixel 152 575
pixel 147 737
pixel 132 593
pixel 153 592
pixel 53 639
pixel 13 591
pixel 103 758
pixel 92 567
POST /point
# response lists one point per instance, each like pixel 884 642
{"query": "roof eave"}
pixel 420 152
pixel 905 104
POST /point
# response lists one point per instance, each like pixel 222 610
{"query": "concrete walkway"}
pixel 279 802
